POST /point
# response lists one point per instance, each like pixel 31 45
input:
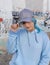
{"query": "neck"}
pixel 32 30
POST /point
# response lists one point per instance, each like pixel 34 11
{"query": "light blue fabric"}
pixel 25 49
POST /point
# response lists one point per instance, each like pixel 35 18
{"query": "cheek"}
pixel 31 25
pixel 26 25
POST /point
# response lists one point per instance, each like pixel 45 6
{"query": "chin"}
pixel 29 30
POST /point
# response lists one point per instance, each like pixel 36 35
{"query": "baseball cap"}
pixel 25 15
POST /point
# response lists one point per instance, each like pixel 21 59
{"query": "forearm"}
pixel 11 43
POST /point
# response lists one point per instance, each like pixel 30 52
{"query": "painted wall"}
pixel 31 4
pixel 5 8
pixel 34 4
pixel 18 4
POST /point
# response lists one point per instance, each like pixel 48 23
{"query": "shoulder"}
pixel 44 36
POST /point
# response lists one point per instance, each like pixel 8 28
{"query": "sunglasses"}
pixel 24 22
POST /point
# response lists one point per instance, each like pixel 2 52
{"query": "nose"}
pixel 26 24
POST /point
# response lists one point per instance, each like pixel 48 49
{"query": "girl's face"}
pixel 29 26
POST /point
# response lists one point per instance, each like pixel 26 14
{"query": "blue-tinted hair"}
pixel 36 27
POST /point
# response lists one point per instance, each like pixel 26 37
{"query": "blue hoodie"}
pixel 26 50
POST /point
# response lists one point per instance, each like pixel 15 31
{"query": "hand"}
pixel 14 27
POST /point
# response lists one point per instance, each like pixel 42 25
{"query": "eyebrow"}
pixel 23 22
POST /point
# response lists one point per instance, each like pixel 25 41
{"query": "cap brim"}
pixel 25 20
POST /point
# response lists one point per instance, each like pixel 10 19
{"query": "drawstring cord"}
pixel 21 52
pixel 28 39
pixel 35 38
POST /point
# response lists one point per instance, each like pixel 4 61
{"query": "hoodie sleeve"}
pixel 12 42
pixel 45 55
